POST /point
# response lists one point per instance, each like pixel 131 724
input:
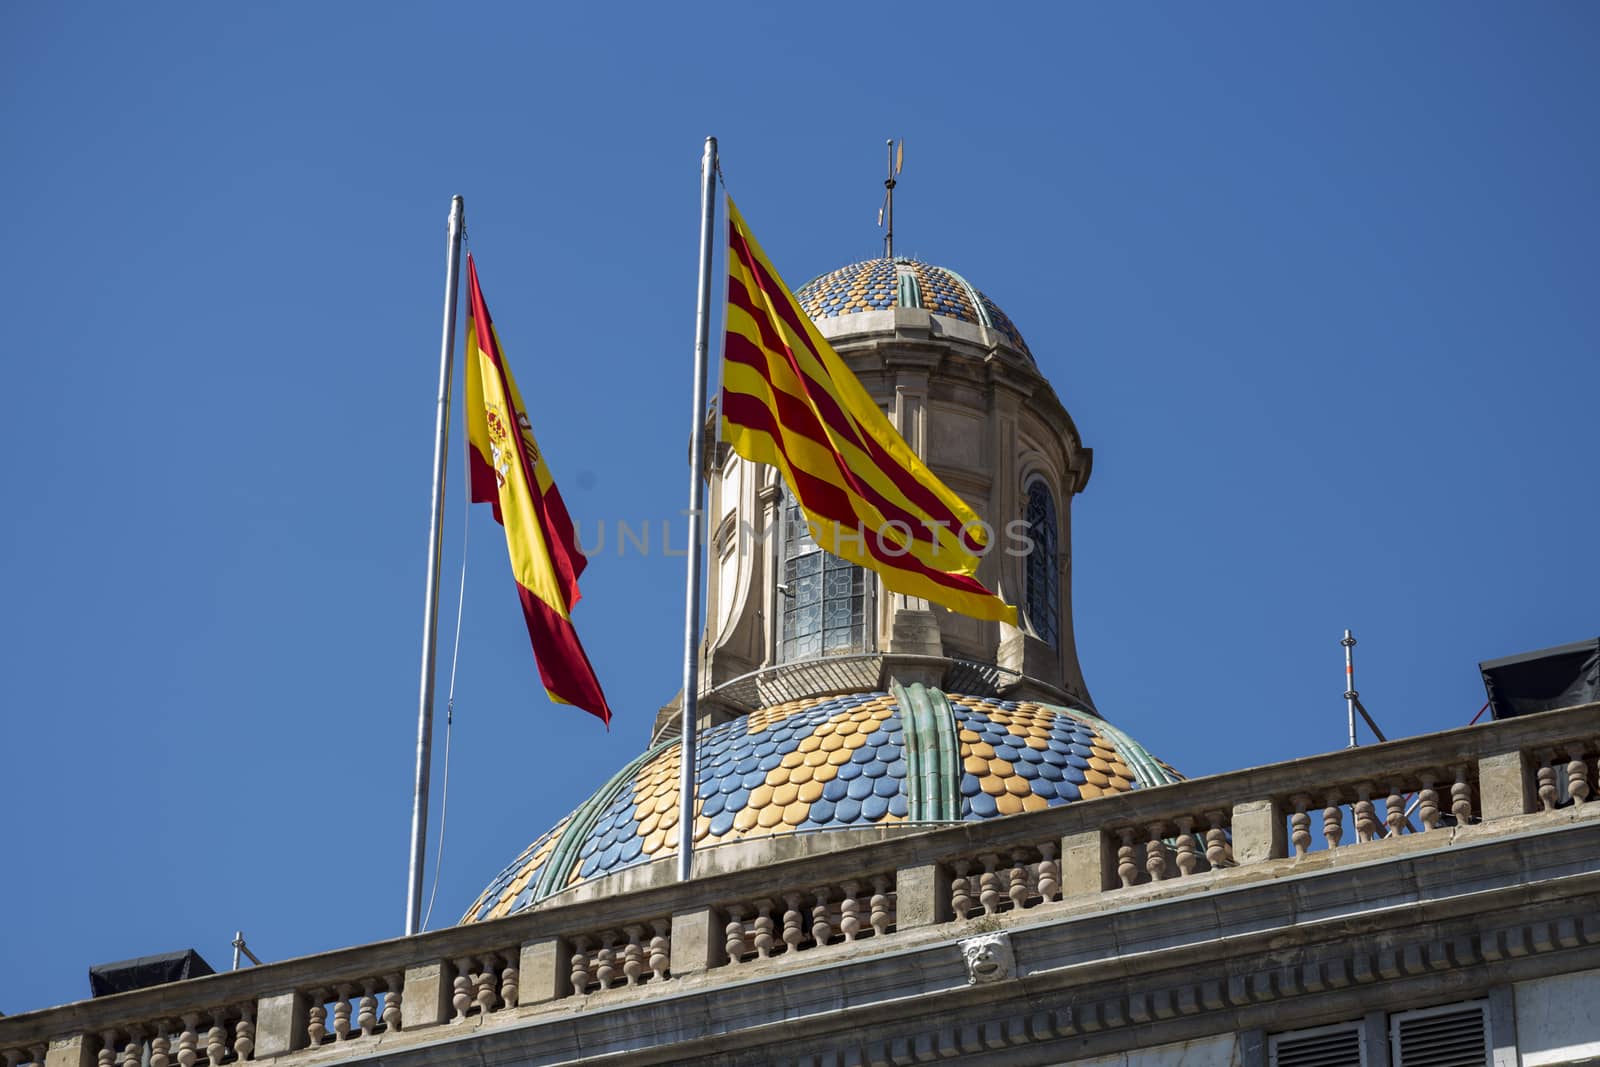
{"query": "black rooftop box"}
pixel 1541 681
pixel 146 971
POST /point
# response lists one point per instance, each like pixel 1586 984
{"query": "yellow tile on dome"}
pixel 792 759
pixel 654 842
pixel 831 743
pixel 818 758
pixel 1038 744
pixel 968 737
pixel 837 759
pixel 855 741
pixel 827 772
pixel 1121 785
pixel 702 826
pixel 801 775
pixel 669 819
pixel 745 820
pixel 847 727
pixel 795 813
pixel 665 802
pixel 1008 804
pixel 1018 786
pixel 810 792
pixel 1120 770
pixel 809 744
pixel 826 728
pixel 983 749
pixel 1032 802
pixel 1088 791
pixel 1096 778
pixel 1000 768
pixel 760 796
pixel 770 816
pixel 992 785
pixel 975 765
pixel 1101 765
pixel 785 794
pixel 779 774
pixel 649 824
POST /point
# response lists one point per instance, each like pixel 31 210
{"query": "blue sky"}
pixel 1317 286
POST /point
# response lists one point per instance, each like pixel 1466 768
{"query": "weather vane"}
pixel 897 159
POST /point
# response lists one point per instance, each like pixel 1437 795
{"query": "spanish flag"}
pixel 509 471
pixel 788 400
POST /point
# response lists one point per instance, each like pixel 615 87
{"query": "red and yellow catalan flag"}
pixel 788 400
pixel 509 471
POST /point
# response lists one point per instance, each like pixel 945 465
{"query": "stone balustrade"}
pixel 639 933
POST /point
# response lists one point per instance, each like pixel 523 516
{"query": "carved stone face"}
pixel 988 957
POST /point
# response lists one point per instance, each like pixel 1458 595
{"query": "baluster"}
pixel 160 1046
pixel 341 1012
pixel 107 1057
pixel 14 1057
pixel 244 1033
pixel 793 922
pixel 1155 853
pixel 216 1041
pixel 1332 819
pixel 1366 817
pixel 989 883
pixel 508 982
pixel 961 889
pixel 391 1002
pixel 1049 873
pixel 316 1018
pixel 1577 775
pixel 633 953
pixel 1461 796
pixel 1547 780
pixel 1300 824
pixel 735 942
pixel 133 1051
pixel 660 950
pixel 764 937
pixel 1216 841
pixel 188 1041
pixel 461 996
pixel 1127 868
pixel 1395 802
pixel 580 965
pixel 850 911
pixel 487 997
pixel 605 961
pixel 1018 877
pixel 1428 802
pixel 367 1010
pixel 1188 855
pixel 821 926
pixel 880 905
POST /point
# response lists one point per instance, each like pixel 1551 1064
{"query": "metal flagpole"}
pixel 1350 694
pixel 430 609
pixel 697 449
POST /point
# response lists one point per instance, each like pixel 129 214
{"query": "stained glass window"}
pixel 1044 575
pixel 824 609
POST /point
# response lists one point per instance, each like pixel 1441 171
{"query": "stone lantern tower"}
pixel 958 381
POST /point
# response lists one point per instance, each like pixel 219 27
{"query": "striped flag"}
pixel 509 471
pixel 788 400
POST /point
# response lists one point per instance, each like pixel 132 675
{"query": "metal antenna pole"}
pixel 1350 694
pixel 888 185
pixel 697 451
pixel 430 607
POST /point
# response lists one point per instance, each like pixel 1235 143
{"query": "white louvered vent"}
pixel 1326 1046
pixel 1455 1035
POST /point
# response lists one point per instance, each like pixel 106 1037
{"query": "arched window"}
pixel 1043 573
pixel 822 599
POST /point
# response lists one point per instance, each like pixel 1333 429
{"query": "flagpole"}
pixel 697 450
pixel 430 609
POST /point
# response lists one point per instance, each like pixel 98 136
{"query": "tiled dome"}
pixel 876 284
pixel 828 763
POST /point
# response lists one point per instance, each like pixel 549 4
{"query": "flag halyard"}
pixel 509 471
pixel 789 400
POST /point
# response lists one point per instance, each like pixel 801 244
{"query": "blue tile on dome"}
pixel 874 808
pixel 847 811
pixel 1030 754
pixel 887 787
pixel 722 822
pixel 847 771
pixel 859 788
pixel 983 806
pixel 1026 770
pixel 736 799
pixel 1075 760
pixel 713 806
pixel 631 848
pixel 837 789
pixel 1068 791
pixel 1051 772
pixel 753 780
pixel 970 786
pixel 897 805
pixel 769 761
pixel 1043 787
pixel 821 810
pixel 896 768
